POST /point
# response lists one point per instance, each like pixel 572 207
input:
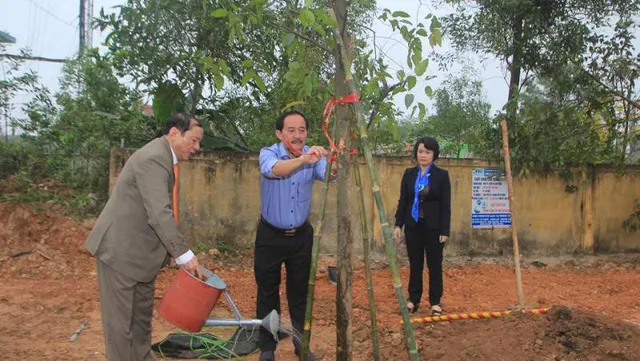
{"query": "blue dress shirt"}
pixel 286 201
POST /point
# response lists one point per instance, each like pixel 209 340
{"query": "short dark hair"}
pixel 281 118
pixel 182 121
pixel 429 143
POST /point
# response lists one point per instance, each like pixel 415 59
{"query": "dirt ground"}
pixel 49 289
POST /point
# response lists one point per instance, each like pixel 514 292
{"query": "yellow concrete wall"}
pixel 220 205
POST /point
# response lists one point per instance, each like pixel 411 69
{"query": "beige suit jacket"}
pixel 136 231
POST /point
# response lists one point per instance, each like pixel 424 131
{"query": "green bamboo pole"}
pixel 382 214
pixel 366 239
pixel 306 335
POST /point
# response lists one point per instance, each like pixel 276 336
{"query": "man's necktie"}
pixel 175 194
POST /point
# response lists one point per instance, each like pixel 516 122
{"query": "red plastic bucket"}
pixel 188 301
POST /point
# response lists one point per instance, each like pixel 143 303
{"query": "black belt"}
pixel 287 232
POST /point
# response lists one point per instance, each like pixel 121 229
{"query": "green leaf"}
pixel 259 82
pixel 422 67
pixel 319 29
pixel 423 111
pixel 325 19
pixel 416 58
pixel 288 39
pixel 411 82
pixel 435 38
pixel 247 63
pixel 219 13
pixel 308 3
pixel 422 32
pixel 435 24
pixel 428 91
pixel 306 17
pixel 400 14
pixel 222 65
pixel 400 74
pixel 248 76
pixel 219 79
pixel 408 100
pixel 405 33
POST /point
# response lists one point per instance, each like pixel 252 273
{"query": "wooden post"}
pixel 514 233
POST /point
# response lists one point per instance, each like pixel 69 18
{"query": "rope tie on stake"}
pixel 326 116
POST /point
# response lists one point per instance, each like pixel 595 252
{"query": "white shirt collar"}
pixel 173 154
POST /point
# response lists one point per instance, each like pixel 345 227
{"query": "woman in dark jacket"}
pixel 424 210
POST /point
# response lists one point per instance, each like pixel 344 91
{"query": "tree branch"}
pixel 383 94
pixel 238 132
pixel 35 58
pixel 226 137
pixel 304 37
pixel 610 89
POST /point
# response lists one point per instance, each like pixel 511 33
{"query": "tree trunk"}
pixel 382 214
pixel 515 69
pixel 344 341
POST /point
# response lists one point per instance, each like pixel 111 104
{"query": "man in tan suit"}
pixel 135 236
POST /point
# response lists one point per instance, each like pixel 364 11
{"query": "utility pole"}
pixel 6 132
pixel 85 29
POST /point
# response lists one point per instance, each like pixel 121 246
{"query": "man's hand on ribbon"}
pixel 314 154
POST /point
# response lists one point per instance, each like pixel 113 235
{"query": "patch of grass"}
pixel 43 194
pixel 200 248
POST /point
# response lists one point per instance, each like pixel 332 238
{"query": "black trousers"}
pixel 272 249
pixel 421 240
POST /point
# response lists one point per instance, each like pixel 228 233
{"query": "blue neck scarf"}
pixel 422 182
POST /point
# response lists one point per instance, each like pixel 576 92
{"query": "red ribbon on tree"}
pixel 326 116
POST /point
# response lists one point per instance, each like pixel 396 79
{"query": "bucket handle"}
pixel 232 305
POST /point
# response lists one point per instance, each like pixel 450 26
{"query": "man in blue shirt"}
pixel 284 234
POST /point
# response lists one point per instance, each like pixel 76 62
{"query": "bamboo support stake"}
pixel 366 239
pixel 306 334
pixel 514 233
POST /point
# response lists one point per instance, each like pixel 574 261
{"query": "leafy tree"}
pixel 552 135
pixel 462 117
pixel 531 36
pixel 612 67
pixel 77 127
pixel 14 81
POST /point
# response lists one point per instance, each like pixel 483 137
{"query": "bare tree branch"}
pixel 304 37
pixel 35 58
pixel 383 95
pixel 611 90
pixel 238 132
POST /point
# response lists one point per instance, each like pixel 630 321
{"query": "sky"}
pixel 50 29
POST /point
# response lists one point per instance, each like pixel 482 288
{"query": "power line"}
pixel 37 58
pixel 52 14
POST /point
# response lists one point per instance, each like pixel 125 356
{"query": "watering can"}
pixel 188 301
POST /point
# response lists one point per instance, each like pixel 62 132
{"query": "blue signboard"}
pixel 489 199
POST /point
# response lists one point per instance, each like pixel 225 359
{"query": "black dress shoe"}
pixel 267 356
pixel 413 309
